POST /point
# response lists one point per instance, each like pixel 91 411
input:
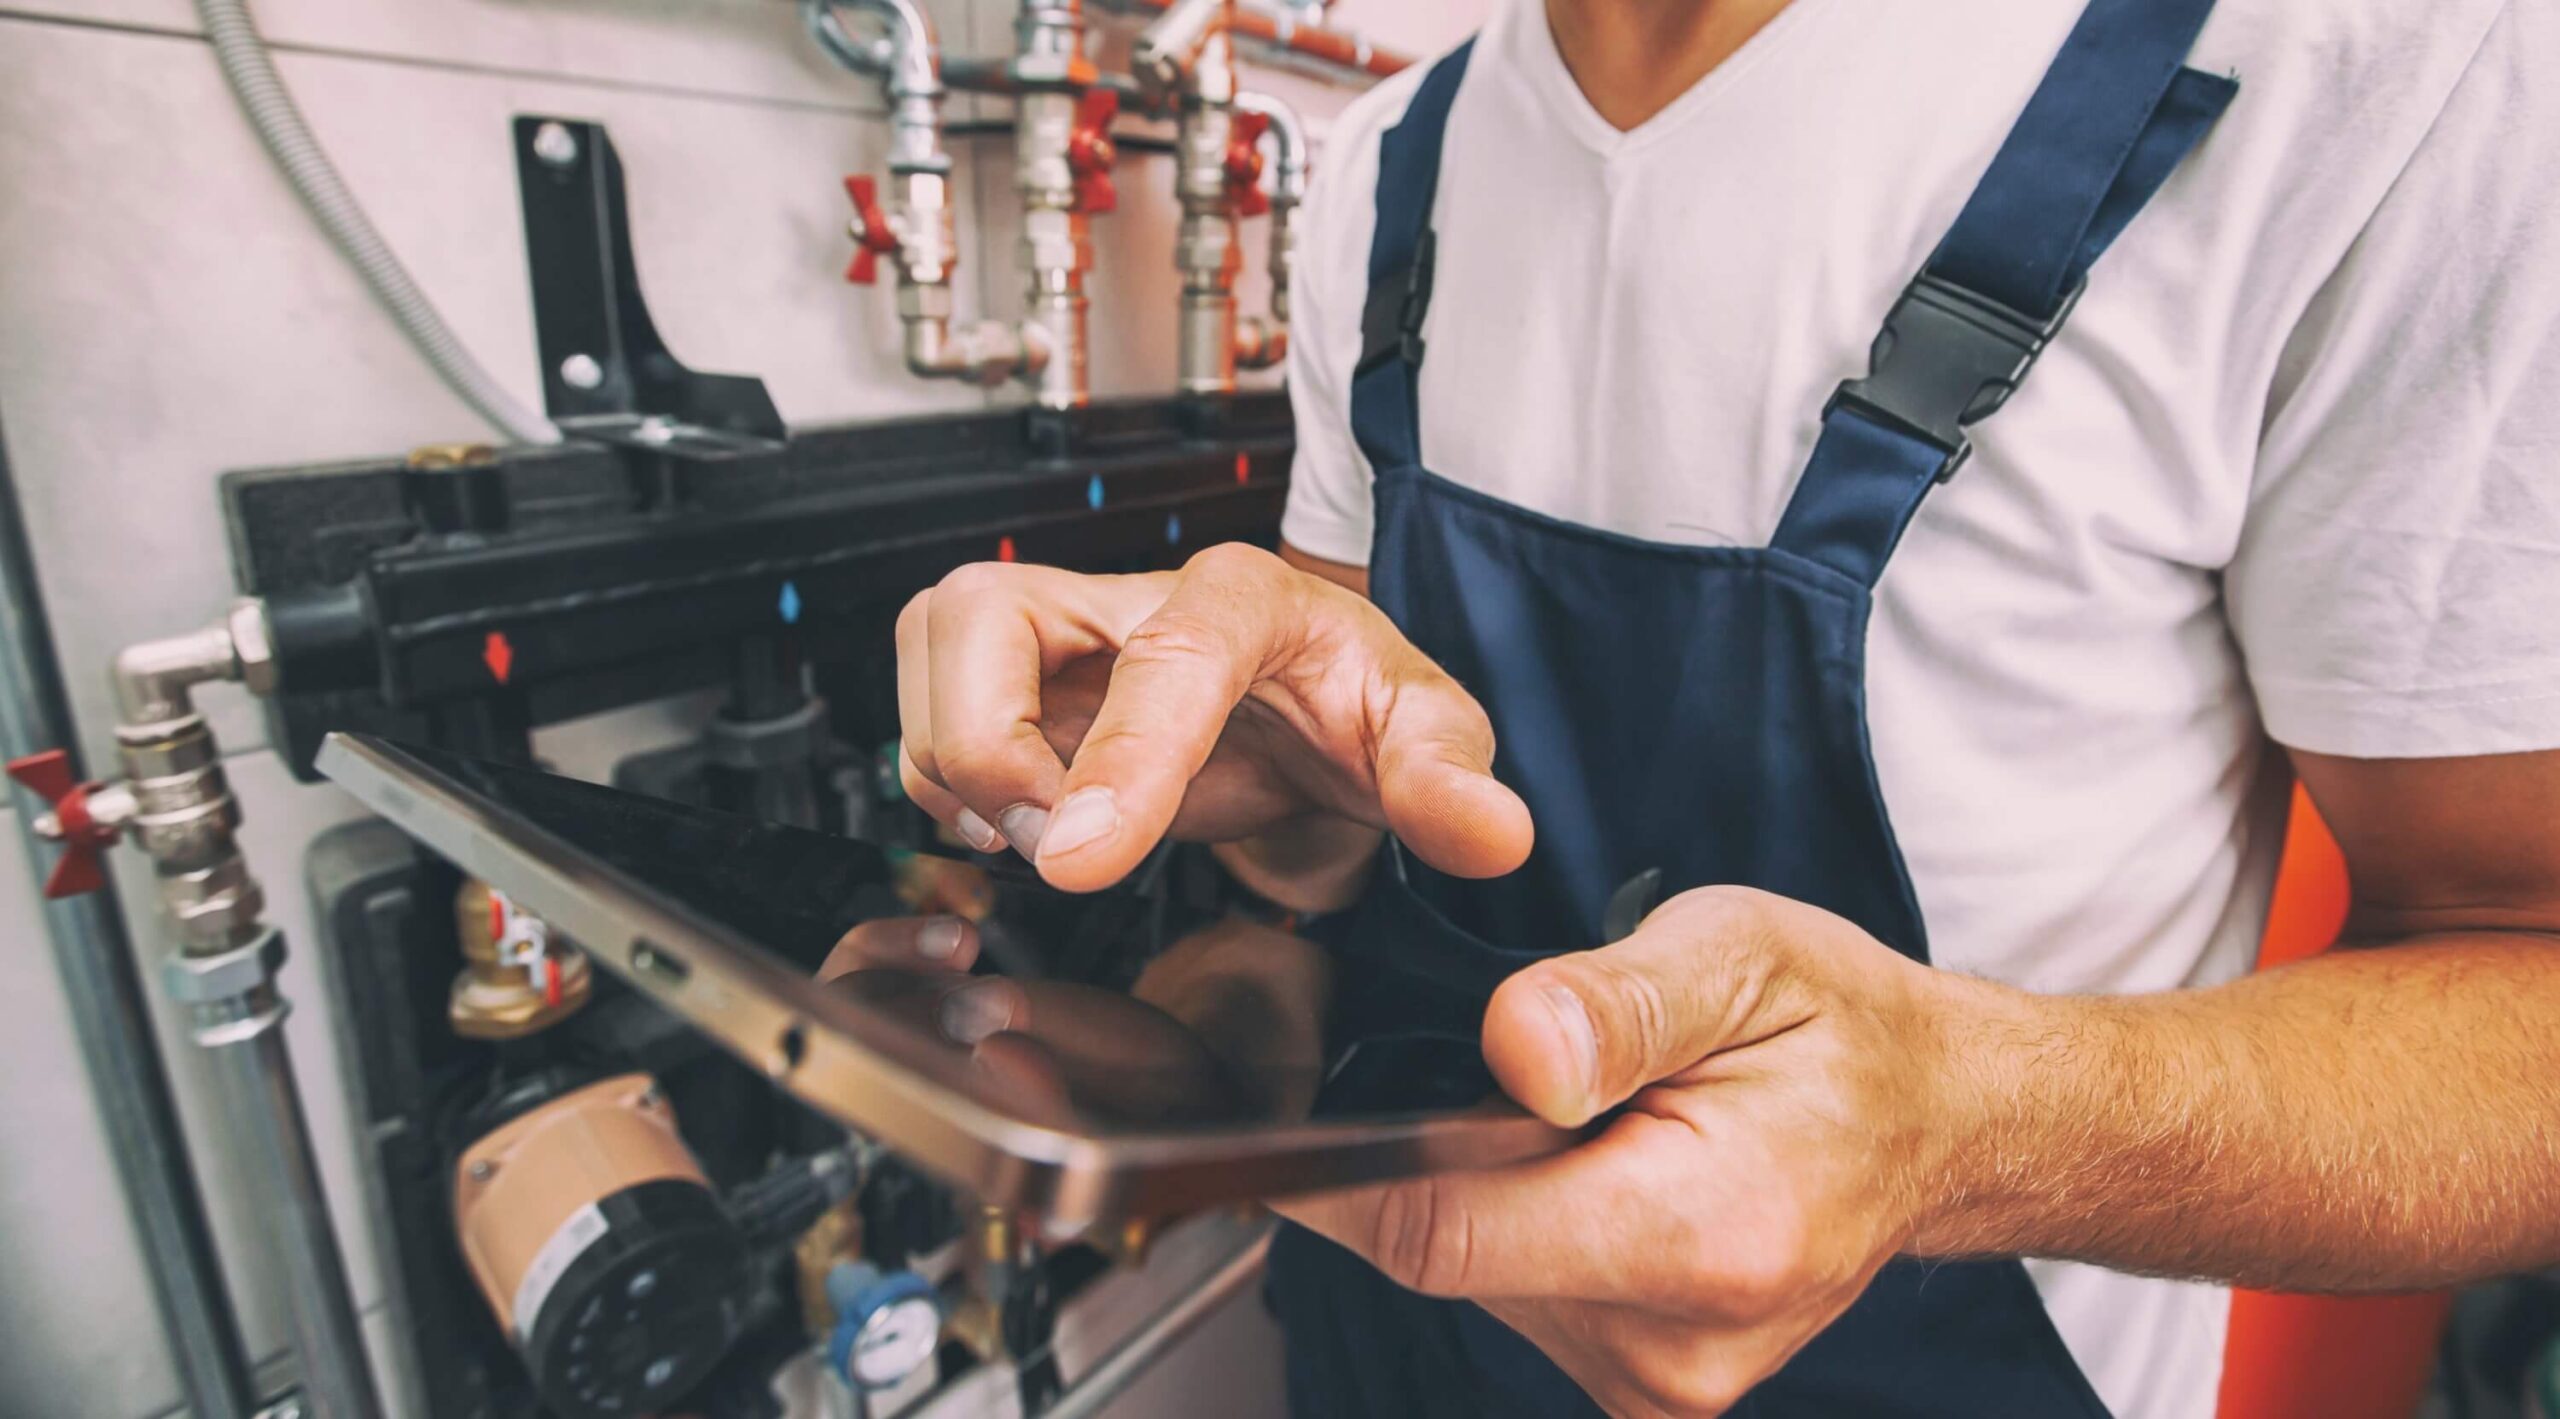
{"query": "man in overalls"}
pixel 1906 486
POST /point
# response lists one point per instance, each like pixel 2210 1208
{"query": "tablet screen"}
pixel 1120 1010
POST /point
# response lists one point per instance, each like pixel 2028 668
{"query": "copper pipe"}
pixel 1258 25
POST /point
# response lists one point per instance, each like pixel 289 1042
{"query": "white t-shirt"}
pixel 2292 470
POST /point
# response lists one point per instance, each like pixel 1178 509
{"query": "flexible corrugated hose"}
pixel 271 111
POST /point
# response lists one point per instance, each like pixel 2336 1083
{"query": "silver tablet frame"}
pixel 829 1052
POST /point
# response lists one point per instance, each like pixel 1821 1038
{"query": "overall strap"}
pixel 2114 116
pixel 1384 411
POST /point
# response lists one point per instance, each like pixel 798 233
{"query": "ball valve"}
pixel 86 818
pixel 872 235
pixel 1244 162
pixel 1090 151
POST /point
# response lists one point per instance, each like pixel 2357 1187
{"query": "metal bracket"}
pixel 606 374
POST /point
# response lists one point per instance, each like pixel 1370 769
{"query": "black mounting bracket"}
pixel 606 374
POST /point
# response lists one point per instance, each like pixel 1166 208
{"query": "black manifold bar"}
pixel 536 585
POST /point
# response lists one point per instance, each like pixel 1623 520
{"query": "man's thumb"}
pixel 1573 1036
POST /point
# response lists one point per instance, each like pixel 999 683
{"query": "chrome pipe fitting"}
pixel 177 805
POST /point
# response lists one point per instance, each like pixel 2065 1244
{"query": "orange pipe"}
pixel 1340 48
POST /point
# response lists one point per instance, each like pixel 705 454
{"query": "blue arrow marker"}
pixel 790 604
pixel 1093 492
pixel 1173 527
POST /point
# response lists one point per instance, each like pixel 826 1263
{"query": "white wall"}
pixel 167 311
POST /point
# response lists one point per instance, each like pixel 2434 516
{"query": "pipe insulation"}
pixel 288 139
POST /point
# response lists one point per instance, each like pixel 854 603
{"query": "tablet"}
pixel 1186 1085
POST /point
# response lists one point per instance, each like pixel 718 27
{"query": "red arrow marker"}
pixel 498 655
pixel 1004 550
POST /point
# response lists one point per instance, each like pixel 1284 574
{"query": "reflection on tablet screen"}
pixel 1100 1008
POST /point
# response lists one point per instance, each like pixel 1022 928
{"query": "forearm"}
pixel 2373 1119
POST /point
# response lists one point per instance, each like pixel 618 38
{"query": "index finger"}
pixel 942 943
pixel 1180 673
pixel 996 634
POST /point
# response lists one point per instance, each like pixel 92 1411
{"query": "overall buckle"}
pixel 1391 321
pixel 1946 358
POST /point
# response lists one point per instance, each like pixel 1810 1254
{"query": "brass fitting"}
pixel 518 976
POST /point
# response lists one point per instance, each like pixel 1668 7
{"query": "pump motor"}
pixel 600 1245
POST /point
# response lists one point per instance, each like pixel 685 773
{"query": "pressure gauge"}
pixel 887 1326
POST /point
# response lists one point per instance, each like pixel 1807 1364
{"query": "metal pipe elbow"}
pixel 870 57
pixel 1166 49
pixel 915 54
pixel 1261 342
pixel 1289 144
pixel 153 678
pixel 986 352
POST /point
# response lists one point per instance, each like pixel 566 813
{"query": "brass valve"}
pixel 518 977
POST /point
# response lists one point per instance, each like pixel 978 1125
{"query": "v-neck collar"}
pixel 1531 43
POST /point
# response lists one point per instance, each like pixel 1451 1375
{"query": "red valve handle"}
pixel 1090 151
pixel 1244 163
pixel 873 237
pixel 78 871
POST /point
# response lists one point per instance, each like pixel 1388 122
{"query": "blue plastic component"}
pixel 1173 527
pixel 1093 492
pixel 858 1291
pixel 790 604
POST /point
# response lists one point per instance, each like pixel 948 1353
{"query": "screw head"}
pixel 659 1372
pixel 581 372
pixel 555 144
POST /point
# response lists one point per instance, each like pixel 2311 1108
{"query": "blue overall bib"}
pixel 1632 683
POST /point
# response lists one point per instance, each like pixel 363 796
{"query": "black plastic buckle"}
pixel 1391 322
pixel 1945 359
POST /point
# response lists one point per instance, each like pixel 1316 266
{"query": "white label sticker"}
pixel 581 1231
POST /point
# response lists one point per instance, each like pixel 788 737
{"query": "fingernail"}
pixel 938 938
pixel 973 1012
pixel 1087 817
pixel 1582 1047
pixel 977 831
pixel 1024 823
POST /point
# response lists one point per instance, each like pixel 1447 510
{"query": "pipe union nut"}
pixel 158 758
pixel 227 975
pixel 922 302
pixel 192 838
pixel 213 905
pixel 1209 248
pixel 1053 240
pixel 254 646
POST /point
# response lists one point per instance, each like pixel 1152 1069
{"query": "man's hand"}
pixel 1802 1104
pixel 1795 1110
pixel 1082 718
